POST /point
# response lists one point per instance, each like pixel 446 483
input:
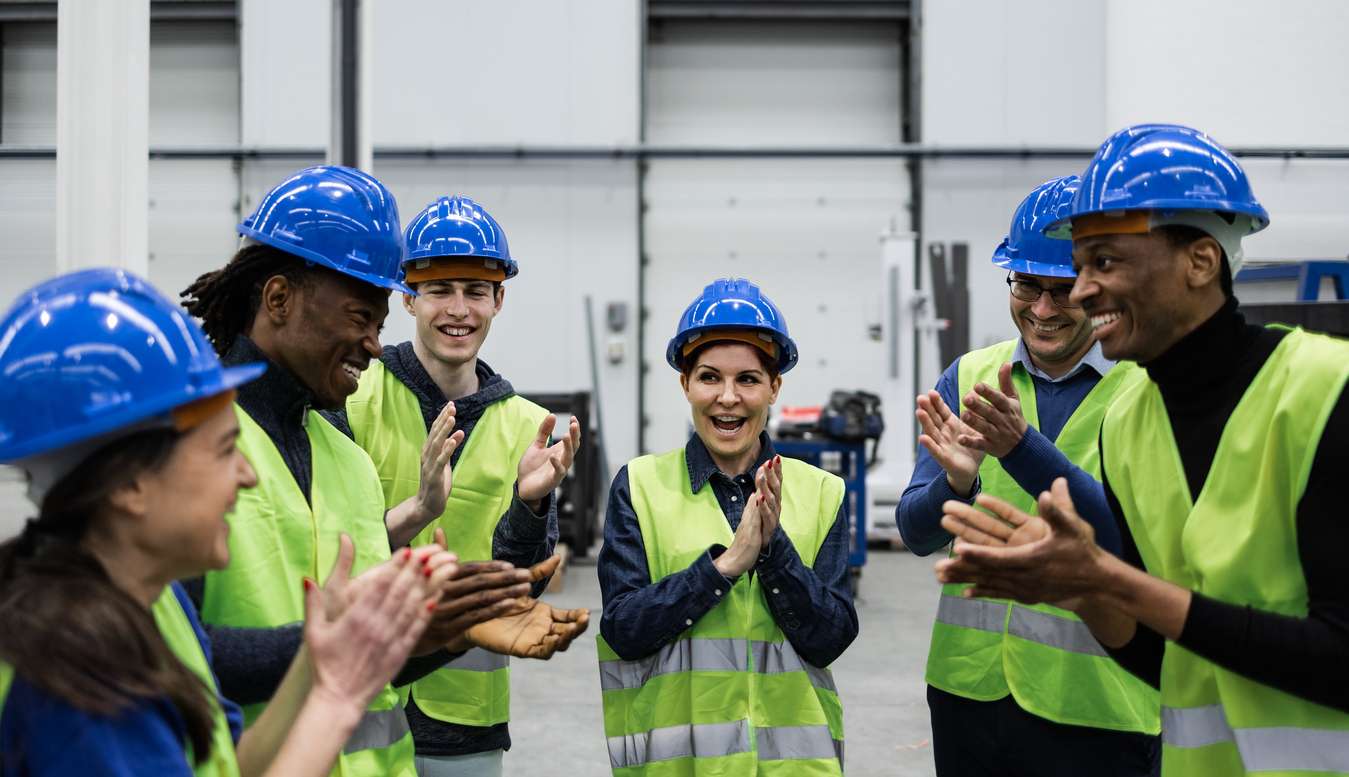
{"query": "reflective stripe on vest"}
pixel 1054 668
pixel 706 740
pixel 1271 749
pixel 712 740
pixel 731 686
pixel 1032 625
pixel 783 743
pixel 1217 722
pixel 711 655
pixel 387 422
pixel 684 655
pixel 277 538
pixel 181 638
pixel 378 728
pixel 479 660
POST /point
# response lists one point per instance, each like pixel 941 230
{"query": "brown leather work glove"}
pixel 538 632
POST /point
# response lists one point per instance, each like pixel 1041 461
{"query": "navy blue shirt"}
pixel 812 605
pixel 1033 463
pixel 42 736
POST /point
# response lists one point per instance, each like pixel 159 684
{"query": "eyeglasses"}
pixel 1029 291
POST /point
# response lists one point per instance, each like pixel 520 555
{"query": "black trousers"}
pixel 999 739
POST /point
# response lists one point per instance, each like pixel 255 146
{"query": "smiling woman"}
pixel 120 415
pixel 724 570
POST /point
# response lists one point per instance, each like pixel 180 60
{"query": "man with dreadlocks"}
pixel 308 294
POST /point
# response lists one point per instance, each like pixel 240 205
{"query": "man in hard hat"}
pixel 505 470
pixel 1223 471
pixel 307 295
pixel 1016 689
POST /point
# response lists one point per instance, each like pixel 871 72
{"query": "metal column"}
pixel 352 72
pixel 102 133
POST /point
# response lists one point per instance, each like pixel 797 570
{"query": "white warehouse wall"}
pixel 506 73
pixel 512 73
pixel 805 229
pixel 1065 73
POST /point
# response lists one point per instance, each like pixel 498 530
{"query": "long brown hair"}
pixel 66 628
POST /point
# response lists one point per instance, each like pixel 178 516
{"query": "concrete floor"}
pixel 555 707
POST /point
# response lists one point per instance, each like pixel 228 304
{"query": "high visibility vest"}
pixel 1044 656
pixel 277 539
pixel 1236 543
pixel 178 634
pixel 729 696
pixel 387 421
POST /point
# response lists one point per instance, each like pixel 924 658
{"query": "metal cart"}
pixel 848 460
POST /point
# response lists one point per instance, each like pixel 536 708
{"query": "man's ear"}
pixel 408 300
pixel 279 300
pixel 1204 262
pixel 500 296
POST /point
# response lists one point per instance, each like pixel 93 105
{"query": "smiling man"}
pixel 307 294
pixel 505 471
pixel 1224 470
pixel 1015 689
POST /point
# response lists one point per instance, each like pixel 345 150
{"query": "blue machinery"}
pixel 848 460
pixel 1308 275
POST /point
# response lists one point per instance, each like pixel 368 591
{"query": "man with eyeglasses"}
pixel 1016 689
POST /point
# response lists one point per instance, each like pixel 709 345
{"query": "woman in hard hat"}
pixel 119 412
pixel 724 571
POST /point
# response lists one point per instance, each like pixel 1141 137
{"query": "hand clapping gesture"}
pixel 994 416
pixel 359 631
pixel 543 467
pixel 1013 555
pixel 758 522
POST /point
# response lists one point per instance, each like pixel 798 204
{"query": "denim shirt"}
pixel 812 605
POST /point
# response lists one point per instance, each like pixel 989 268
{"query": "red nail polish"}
pixel 308 584
pixel 431 606
pixel 426 571
pixel 407 553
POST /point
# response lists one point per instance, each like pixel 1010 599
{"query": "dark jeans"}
pixel 999 739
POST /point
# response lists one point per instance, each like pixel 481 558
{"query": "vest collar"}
pixel 275 400
pixel 702 468
pixel 402 361
pixel 1093 359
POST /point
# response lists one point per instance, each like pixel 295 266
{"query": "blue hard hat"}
pixel 1025 249
pixel 337 217
pixel 85 354
pixel 735 305
pixel 1163 167
pixel 458 228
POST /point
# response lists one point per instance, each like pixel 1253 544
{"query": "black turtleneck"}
pixel 1201 379
pixel 278 402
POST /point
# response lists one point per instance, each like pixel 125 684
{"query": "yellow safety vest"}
pixel 277 539
pixel 1236 543
pixel 387 421
pixel 178 634
pixel 1046 657
pixel 730 696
